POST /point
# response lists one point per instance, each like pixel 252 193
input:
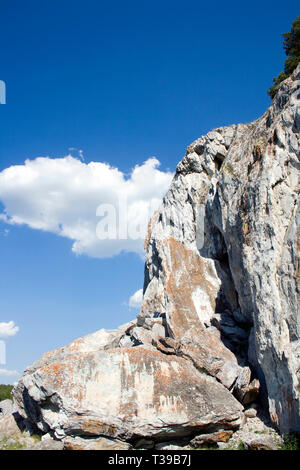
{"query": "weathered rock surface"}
pixel 223 252
pixel 172 445
pixel 49 444
pixel 261 443
pixel 8 427
pixel 250 413
pixel 125 393
pixel 100 443
pixel 211 438
pixel 219 322
pixel 6 408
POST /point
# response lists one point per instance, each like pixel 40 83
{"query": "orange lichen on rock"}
pixel 185 271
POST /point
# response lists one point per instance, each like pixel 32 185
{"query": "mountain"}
pixel 219 324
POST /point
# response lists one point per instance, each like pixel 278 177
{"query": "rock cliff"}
pixel 219 326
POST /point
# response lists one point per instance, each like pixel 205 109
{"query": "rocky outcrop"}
pixel 124 393
pixel 222 253
pixel 219 324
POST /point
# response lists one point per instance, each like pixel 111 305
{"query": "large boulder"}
pixel 125 393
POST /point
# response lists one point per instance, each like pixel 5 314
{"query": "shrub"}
pixel 291 45
pixel 291 441
pixel 5 392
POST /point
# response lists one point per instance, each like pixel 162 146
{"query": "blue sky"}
pixel 115 82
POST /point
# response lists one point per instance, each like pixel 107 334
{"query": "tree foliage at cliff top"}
pixel 291 45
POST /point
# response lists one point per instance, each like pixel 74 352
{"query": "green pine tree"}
pixel 291 45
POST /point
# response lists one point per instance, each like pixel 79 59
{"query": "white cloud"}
pixel 8 329
pixel 8 373
pixel 61 195
pixel 136 299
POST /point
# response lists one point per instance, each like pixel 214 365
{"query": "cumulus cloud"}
pixel 136 299
pixel 8 329
pixel 8 373
pixel 82 202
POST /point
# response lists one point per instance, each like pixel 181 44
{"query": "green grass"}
pixel 19 443
pixel 208 447
pixel 240 446
pixel 291 441
pixel 16 446
pixel 36 437
pixel 5 392
pixel 4 444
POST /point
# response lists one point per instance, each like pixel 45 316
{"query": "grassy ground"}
pixel 19 442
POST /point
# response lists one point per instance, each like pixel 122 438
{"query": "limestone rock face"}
pixel 219 323
pixel 222 255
